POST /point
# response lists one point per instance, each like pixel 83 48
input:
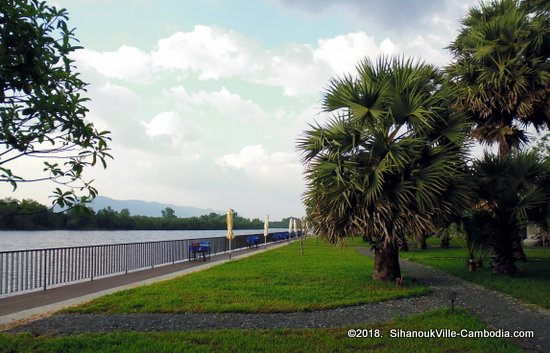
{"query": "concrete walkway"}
pixel 18 309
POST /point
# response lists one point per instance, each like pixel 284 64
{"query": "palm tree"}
pixel 388 161
pixel 501 71
pixel 501 75
pixel 513 190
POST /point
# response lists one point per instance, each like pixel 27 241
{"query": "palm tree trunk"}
pixel 445 241
pixel 445 238
pixel 421 242
pixel 504 149
pixel 386 263
pixel 517 244
pixel 403 245
pixel 503 251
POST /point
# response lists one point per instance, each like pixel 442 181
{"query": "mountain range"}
pixel 148 208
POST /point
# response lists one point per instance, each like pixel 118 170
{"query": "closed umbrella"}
pixel 266 229
pixel 230 234
pixel 295 226
pixel 289 228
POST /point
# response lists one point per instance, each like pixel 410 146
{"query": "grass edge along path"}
pixel 280 340
pixel 529 286
pixel 277 281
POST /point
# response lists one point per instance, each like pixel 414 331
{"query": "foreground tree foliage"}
pixel 42 109
pixel 390 160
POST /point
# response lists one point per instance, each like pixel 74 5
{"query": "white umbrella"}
pixel 230 234
pixel 266 229
pixel 295 226
pixel 289 227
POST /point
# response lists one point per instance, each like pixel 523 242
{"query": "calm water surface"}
pixel 24 240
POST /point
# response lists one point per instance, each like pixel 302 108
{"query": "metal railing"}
pixel 39 269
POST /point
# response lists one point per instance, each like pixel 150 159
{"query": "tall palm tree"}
pixel 501 70
pixel 388 161
pixel 501 75
pixel 513 189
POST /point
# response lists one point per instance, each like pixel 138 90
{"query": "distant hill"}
pixel 145 208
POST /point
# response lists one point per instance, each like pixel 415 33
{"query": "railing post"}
pixel 174 244
pixel 1 272
pixel 45 271
pixel 92 263
pixel 152 248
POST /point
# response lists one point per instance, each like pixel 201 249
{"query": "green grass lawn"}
pixel 530 285
pixel 279 280
pixel 280 340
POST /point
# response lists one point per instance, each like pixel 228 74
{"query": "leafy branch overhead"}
pixel 42 107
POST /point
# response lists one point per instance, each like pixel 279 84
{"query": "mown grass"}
pixel 279 340
pixel 280 280
pixel 530 284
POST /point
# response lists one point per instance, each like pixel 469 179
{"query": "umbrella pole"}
pixel 230 234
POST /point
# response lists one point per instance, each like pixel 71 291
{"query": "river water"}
pixel 25 240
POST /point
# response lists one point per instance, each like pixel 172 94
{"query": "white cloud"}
pixel 169 129
pixel 227 105
pixel 387 47
pixel 212 52
pixel 427 48
pixel 117 99
pixel 125 63
pixel 294 71
pixel 256 162
pixel 164 124
pixel 305 69
pixel 342 52
pixel 118 109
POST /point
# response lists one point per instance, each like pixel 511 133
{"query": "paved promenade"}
pixel 18 309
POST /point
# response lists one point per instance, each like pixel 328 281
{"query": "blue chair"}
pixel 253 241
pixel 202 248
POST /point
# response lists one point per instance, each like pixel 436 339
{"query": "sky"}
pixel 206 99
